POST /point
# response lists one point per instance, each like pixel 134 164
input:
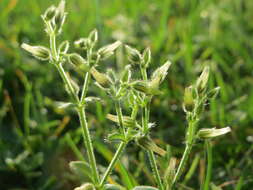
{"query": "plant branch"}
pixel 209 164
pixel 113 162
pixel 190 137
pixel 88 143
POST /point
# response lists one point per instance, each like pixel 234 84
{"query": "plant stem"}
pixel 88 143
pixel 190 138
pixel 155 169
pixel 113 162
pixel 120 117
pixel 85 87
pixel 53 46
pixel 145 121
pixel 209 164
pixel 80 109
pixel 182 163
pixel 67 82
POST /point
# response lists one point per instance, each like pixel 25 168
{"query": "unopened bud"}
pixel 127 121
pixel 108 50
pixel 188 104
pixel 148 144
pixel 82 43
pixel 77 60
pixel 50 13
pixel 146 56
pixel 39 52
pixel 63 47
pixel 126 76
pixel 159 74
pixel 59 21
pixel 211 133
pixel 102 79
pixel 61 8
pixel 145 87
pixel 202 80
pixel 134 55
pixel 86 186
pixel 212 94
pixel 93 37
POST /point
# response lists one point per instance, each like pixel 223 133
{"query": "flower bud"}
pixel 108 50
pixel 212 94
pixel 134 55
pixel 50 13
pixel 102 79
pixel 39 52
pixel 127 121
pixel 159 74
pixel 82 43
pixel 146 56
pixel 202 80
pixel 63 47
pixel 86 186
pixel 77 60
pixel 211 133
pixel 148 144
pixel 126 76
pixel 188 104
pixel 146 87
pixel 59 21
pixel 93 37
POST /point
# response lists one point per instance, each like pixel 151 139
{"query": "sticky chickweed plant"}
pixel 138 94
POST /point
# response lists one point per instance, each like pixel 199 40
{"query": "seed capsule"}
pixel 188 104
pixel 93 37
pixel 146 56
pixel 108 50
pixel 202 80
pixel 146 87
pixel 78 60
pixel 50 13
pixel 159 74
pixel 213 132
pixel 127 121
pixel 101 78
pixel 134 55
pixel 39 52
pixel 63 47
pixel 149 144
pixel 82 43
pixel 212 94
pixel 126 76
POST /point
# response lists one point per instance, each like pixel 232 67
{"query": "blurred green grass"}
pixel 34 150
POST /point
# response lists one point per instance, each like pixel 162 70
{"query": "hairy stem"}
pixel 67 82
pixel 154 168
pixel 190 136
pixel 88 143
pixel 85 87
pixel 120 117
pixel 209 164
pixel 113 162
pixel 80 109
pixel 145 121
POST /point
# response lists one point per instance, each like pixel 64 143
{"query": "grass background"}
pixel 37 140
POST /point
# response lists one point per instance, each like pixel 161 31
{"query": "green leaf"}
pixel 81 169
